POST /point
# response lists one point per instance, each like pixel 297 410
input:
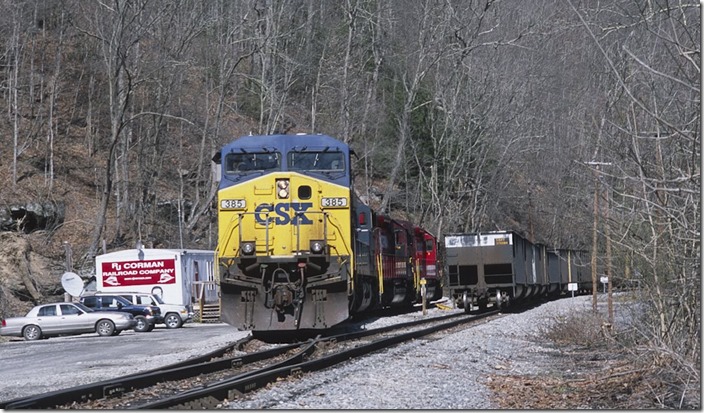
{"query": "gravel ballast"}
pixel 448 373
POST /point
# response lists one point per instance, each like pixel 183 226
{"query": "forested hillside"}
pixel 575 123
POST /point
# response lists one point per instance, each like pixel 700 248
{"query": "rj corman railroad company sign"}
pixel 139 272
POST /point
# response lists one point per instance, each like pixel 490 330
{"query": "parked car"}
pixel 55 319
pixel 173 315
pixel 147 316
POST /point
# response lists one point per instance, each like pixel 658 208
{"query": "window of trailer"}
pixel 333 161
pixel 244 162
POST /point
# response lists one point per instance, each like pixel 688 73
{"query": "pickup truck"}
pixel 147 316
pixel 173 315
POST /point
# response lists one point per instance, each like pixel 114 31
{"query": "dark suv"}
pixel 146 315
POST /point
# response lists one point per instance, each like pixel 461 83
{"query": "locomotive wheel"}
pixel 438 293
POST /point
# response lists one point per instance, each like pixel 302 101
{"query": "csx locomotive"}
pixel 297 249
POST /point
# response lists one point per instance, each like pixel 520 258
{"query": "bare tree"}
pixel 118 29
pixel 233 47
pixel 419 52
pixel 655 181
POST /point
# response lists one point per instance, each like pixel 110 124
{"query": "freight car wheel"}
pixel 467 302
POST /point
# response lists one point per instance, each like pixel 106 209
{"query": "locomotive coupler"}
pixel 287 295
pixel 283 297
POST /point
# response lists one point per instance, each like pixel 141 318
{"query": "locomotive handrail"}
pixel 267 221
pixel 298 227
pixel 230 232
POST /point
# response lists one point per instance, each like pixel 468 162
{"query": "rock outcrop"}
pixel 32 216
pixel 26 277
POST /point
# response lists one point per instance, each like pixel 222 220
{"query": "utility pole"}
pixel 595 289
pixel 607 230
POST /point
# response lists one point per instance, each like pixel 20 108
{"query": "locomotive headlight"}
pixel 317 247
pixel 247 248
pixel 283 188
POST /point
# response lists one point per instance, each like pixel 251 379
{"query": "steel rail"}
pixel 210 395
pixel 109 387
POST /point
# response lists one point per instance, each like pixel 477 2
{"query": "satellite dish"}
pixel 72 283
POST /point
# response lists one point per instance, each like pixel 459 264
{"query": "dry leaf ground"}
pixel 595 369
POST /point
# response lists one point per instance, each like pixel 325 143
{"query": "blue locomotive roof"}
pixel 285 142
pixel 281 147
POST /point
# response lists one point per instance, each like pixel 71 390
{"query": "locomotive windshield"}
pixel 316 161
pixel 243 162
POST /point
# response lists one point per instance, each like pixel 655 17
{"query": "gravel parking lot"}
pixel 29 368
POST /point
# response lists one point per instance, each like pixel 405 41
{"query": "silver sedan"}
pixel 57 319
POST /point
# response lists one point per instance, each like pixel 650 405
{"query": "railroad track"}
pixel 206 381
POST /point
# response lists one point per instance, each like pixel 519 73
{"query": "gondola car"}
pixel 489 267
pixel 575 268
pixel 502 268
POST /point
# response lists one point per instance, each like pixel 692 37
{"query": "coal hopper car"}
pixel 496 267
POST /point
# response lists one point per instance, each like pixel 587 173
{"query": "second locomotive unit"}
pixel 297 248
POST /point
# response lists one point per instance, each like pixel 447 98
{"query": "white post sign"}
pixel 572 287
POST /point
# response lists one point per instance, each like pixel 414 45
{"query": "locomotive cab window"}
pixel 329 161
pixel 244 162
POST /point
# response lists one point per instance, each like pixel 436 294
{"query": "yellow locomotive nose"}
pixel 285 235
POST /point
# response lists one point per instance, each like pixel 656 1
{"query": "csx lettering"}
pixel 292 213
